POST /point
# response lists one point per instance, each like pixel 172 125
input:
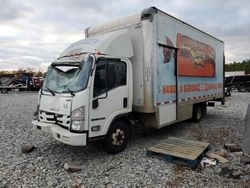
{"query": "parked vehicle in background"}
pixel 21 81
pixel 239 82
pixel 37 83
pixel 148 67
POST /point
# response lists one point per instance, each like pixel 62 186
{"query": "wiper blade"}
pixel 50 90
pixel 70 91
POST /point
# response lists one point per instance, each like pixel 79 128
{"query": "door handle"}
pixel 125 102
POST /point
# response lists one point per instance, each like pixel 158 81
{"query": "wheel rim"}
pixel 118 137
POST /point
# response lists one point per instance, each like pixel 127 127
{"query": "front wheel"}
pixel 117 138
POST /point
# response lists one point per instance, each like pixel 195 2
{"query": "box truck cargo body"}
pixel 148 66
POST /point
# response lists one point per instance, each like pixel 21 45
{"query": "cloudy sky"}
pixel 34 32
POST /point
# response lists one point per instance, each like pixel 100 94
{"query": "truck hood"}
pixel 56 104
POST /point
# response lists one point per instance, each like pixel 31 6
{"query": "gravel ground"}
pixel 43 167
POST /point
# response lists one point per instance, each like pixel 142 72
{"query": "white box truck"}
pixel 149 67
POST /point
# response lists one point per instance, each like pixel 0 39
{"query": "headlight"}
pixel 77 119
pixel 77 126
pixel 78 114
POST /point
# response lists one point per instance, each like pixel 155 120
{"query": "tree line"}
pixel 239 66
pixel 36 73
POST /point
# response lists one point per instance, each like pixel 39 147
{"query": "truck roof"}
pixel 154 10
pixel 146 14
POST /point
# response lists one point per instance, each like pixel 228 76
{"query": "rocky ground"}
pixel 44 166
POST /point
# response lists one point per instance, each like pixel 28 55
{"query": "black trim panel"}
pixel 98 119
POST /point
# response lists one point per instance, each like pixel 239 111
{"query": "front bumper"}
pixel 61 134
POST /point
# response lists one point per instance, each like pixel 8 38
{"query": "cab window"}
pixel 113 78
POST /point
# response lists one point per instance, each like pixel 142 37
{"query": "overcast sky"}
pixel 34 32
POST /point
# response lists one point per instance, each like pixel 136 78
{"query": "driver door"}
pixel 109 94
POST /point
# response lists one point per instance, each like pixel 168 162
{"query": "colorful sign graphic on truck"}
pixel 194 57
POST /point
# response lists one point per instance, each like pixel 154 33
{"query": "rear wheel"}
pixel 198 112
pixel 227 92
pixel 117 138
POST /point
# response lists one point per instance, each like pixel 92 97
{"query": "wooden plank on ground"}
pixel 179 150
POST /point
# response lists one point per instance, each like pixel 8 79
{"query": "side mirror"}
pixel 95 103
pixel 104 76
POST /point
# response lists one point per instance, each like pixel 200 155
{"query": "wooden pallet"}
pixel 179 150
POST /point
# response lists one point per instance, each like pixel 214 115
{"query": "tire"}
pixel 4 91
pixel 116 139
pixel 198 112
pixel 227 94
pixel 241 88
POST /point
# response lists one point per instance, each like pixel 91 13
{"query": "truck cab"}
pixel 87 93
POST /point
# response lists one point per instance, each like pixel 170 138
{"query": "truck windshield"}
pixel 67 78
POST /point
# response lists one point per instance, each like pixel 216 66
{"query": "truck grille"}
pixel 48 117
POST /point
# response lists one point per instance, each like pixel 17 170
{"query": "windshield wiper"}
pixel 70 91
pixel 50 90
